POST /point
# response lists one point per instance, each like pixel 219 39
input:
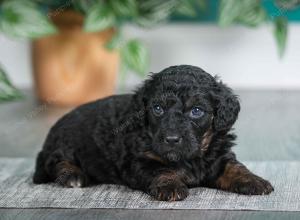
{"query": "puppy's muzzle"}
pixel 172 142
pixel 172 156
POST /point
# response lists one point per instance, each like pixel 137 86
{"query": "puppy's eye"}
pixel 196 112
pixel 158 110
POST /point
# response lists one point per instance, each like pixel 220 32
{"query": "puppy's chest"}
pixel 192 175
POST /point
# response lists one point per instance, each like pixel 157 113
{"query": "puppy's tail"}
pixel 40 175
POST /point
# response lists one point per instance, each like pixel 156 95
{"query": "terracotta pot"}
pixel 73 67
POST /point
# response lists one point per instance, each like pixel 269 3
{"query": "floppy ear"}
pixel 139 101
pixel 140 98
pixel 142 94
pixel 227 108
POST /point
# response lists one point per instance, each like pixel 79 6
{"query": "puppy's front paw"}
pixel 72 180
pixel 252 185
pixel 175 191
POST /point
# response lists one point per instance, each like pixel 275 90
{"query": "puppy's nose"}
pixel 173 139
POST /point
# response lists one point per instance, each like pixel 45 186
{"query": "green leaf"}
pixel 247 12
pixel 252 13
pixel 152 12
pixel 135 57
pixel 83 5
pixel 229 10
pixel 7 91
pixel 187 8
pixel 115 42
pixel 287 4
pixel 124 7
pixel 202 4
pixel 53 4
pixel 280 32
pixel 23 19
pixel 99 18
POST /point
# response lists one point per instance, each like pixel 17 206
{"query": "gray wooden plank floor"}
pixel 268 129
pixel 121 214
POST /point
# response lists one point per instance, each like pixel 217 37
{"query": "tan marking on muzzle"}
pixel 153 156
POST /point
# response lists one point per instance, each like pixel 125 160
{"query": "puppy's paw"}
pixel 175 191
pixel 252 185
pixel 72 180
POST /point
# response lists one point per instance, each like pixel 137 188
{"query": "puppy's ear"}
pixel 139 102
pixel 227 108
pixel 142 94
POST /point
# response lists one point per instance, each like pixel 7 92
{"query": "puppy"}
pixel 172 134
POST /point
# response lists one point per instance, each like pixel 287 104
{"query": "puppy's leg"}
pixel 168 186
pixel 153 177
pixel 237 178
pixel 69 175
pixel 40 175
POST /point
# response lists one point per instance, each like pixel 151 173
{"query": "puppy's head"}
pixel 184 108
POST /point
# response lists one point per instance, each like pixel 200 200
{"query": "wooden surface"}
pixel 268 129
pixel 120 214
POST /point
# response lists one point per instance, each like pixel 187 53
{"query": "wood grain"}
pixel 110 214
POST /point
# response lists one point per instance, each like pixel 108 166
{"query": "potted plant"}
pixel 77 44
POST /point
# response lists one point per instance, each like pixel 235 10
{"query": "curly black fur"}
pixel 173 133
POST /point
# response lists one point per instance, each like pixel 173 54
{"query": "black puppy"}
pixel 170 135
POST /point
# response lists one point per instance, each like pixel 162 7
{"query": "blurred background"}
pixel 57 54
